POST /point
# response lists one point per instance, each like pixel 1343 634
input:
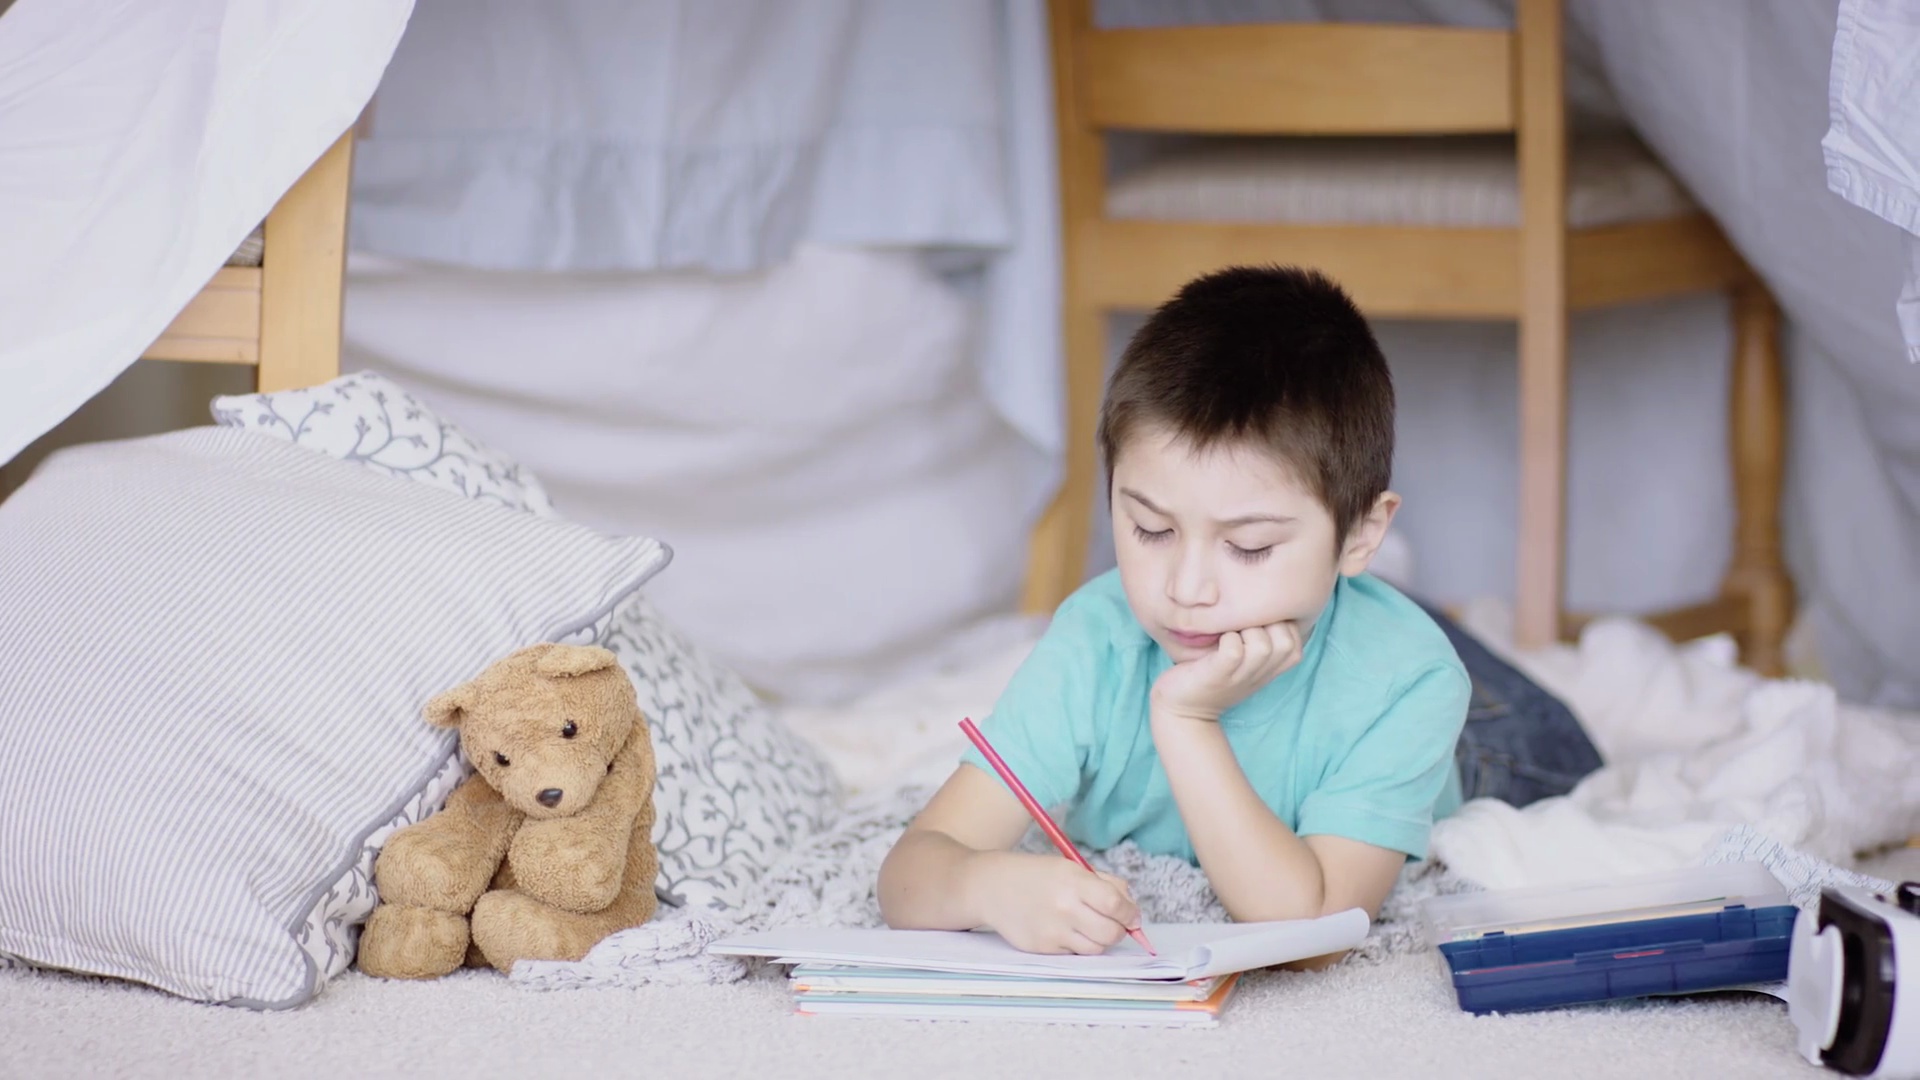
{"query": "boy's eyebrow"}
pixel 1143 501
pixel 1250 519
pixel 1231 523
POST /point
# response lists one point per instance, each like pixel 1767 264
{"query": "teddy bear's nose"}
pixel 549 797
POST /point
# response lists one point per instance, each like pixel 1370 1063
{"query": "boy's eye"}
pixel 1148 537
pixel 1252 555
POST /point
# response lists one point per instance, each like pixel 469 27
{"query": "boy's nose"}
pixel 1192 584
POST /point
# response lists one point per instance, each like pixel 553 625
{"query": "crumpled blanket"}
pixel 1694 745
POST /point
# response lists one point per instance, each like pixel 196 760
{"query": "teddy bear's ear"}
pixel 450 708
pixel 573 660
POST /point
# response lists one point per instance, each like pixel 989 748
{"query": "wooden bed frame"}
pixel 282 317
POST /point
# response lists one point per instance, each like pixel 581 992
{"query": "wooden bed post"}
pixel 303 275
pixel 1542 143
pixel 1757 574
pixel 1058 550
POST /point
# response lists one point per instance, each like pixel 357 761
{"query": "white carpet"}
pixel 1395 1018
pixel 1391 1019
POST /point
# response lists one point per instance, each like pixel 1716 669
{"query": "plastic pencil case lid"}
pixel 1448 919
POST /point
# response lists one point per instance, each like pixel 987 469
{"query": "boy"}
pixel 1238 691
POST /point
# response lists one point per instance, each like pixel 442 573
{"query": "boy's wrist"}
pixel 979 884
pixel 1161 711
pixel 1177 734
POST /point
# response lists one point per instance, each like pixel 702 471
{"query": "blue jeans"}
pixel 1520 742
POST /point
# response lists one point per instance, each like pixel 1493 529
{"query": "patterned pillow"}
pixel 737 787
pixel 367 418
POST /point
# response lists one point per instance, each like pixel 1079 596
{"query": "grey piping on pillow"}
pixel 327 881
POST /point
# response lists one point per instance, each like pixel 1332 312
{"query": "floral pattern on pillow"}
pixel 366 417
pixel 737 788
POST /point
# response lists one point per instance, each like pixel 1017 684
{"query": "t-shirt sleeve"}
pixel 1382 792
pixel 1042 724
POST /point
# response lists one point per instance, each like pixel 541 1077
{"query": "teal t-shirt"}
pixel 1355 740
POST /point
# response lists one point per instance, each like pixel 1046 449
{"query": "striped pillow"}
pixel 214 647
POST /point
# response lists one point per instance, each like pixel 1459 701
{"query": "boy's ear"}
pixel 1368 534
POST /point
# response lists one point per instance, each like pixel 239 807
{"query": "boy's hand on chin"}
pixel 1239 664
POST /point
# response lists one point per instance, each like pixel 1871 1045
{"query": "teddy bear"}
pixel 547 848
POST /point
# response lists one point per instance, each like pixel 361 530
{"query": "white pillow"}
pixel 215 651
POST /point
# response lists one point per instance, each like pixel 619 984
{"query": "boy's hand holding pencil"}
pixel 1046 904
pixel 1040 904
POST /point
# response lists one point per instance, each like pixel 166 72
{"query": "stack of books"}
pixel 977 975
pixel 911 994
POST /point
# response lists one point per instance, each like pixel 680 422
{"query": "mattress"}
pixel 1451 182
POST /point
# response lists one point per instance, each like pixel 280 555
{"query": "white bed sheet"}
pixel 1873 138
pixel 140 141
pixel 812 440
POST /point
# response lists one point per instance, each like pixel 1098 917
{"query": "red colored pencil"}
pixel 1026 799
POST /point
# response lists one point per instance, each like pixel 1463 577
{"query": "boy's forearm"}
pixel 1256 865
pixel 926 883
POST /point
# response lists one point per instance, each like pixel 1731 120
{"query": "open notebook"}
pixel 1188 951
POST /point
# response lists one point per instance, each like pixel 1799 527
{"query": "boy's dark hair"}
pixel 1278 357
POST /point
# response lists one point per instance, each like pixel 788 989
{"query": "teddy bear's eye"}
pixel 501 758
pixel 569 731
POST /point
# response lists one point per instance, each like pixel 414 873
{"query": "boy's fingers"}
pixel 1231 649
pixel 1100 927
pixel 1286 644
pixel 1259 646
pixel 1115 903
pixel 1084 944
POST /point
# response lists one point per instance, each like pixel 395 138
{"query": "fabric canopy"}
pixel 140 141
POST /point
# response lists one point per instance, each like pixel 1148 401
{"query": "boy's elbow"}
pixel 1277 907
pixel 909 898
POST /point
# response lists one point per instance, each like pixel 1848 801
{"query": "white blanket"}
pixel 1694 745
pixel 1872 146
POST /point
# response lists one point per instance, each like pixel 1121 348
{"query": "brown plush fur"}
pixel 498 875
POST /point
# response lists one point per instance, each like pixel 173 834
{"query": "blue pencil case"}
pixel 1709 928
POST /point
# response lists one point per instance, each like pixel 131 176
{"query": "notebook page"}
pixel 1280 942
pixel 1187 950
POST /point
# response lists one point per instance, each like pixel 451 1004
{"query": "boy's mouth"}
pixel 1193 641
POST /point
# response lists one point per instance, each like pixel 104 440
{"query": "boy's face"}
pixel 1209 543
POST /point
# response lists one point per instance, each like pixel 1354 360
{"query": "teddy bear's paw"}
pixel 509 926
pixel 428 868
pixel 412 943
pixel 566 867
